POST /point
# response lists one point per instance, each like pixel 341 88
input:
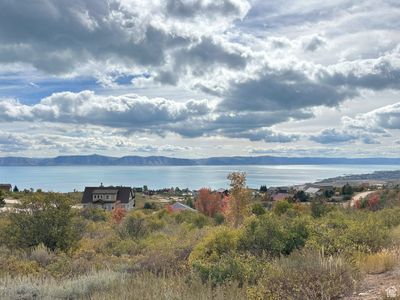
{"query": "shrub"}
pixel 318 208
pixel 258 209
pixel 118 214
pixel 305 275
pixel 134 225
pixel 149 205
pixel 219 219
pixel 217 242
pixel 282 207
pixel 16 266
pixel 94 214
pixel 273 235
pixel 338 232
pixel 42 255
pixel 47 219
pixel 230 267
pixel 193 218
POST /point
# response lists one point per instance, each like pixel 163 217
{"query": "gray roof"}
pixel 123 193
pixel 102 191
pixel 180 206
pixel 312 190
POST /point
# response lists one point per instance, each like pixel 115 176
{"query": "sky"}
pixel 200 78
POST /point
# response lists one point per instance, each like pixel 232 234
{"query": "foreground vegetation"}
pixel 235 249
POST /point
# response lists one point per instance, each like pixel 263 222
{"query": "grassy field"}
pixel 316 250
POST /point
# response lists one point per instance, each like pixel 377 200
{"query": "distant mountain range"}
pixel 99 160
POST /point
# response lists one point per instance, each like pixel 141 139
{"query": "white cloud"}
pixel 257 64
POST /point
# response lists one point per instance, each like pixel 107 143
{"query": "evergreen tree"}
pixel 2 201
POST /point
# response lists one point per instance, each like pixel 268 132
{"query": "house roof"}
pixel 103 191
pixel 5 185
pixel 123 193
pixel 312 190
pixel 281 196
pixel 178 206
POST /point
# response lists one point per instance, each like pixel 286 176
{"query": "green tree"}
pixel 328 193
pixel 258 209
pixel 301 196
pixel 239 199
pixel 318 208
pixel 347 190
pixel 47 219
pixel 263 189
pixel 282 207
pixel 15 190
pixel 2 201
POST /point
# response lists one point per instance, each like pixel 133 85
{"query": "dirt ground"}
pixel 374 286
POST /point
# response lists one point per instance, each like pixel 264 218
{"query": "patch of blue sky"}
pixel 30 92
pixel 129 79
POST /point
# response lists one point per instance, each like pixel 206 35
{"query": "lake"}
pixel 68 178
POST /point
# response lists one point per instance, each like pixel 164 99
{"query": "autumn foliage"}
pixel 238 206
pixel 371 202
pixel 118 214
pixel 209 203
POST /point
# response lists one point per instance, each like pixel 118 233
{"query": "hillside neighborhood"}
pixel 336 190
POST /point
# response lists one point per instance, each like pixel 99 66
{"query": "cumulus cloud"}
pixel 128 111
pixel 374 74
pixel 313 43
pixel 367 127
pixel 282 89
pixel 133 113
pixel 330 136
pixel 87 142
pixel 257 63
pixel 207 8
pixel 378 120
pixel 58 37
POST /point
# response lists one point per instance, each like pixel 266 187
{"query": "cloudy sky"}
pixel 198 78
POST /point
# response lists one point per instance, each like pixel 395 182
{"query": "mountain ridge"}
pixel 135 160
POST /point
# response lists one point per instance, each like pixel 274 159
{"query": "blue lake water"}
pixel 68 178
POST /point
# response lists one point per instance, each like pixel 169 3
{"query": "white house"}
pixel 109 198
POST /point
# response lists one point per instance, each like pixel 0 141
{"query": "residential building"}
pixel 313 191
pixel 281 196
pixel 5 187
pixel 109 198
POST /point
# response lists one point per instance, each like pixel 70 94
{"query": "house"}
pixel 222 192
pixel 178 206
pixel 281 196
pixel 5 187
pixel 109 198
pixel 313 191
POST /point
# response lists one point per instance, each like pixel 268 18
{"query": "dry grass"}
pixel 147 286
pixel 82 287
pixel 377 263
pixel 114 285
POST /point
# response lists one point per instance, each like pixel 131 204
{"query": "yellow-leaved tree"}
pixel 239 199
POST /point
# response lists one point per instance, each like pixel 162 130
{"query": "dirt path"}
pixel 359 196
pixel 374 286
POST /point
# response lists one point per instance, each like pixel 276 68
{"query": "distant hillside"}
pixel 378 175
pixel 99 160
